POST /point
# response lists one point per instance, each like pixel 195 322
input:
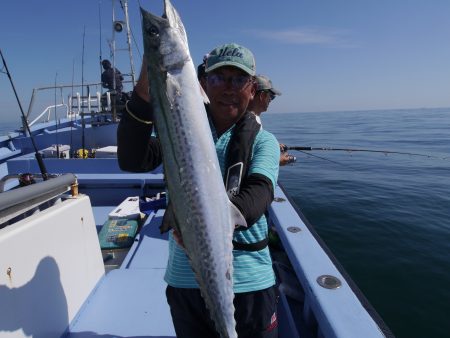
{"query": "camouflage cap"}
pixel 231 54
pixel 264 83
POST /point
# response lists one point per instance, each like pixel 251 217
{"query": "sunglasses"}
pixel 238 82
pixel 272 96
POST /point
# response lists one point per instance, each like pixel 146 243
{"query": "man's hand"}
pixel 285 158
pixel 283 147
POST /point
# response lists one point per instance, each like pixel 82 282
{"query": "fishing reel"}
pixel 291 159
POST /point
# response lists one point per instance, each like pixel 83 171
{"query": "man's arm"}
pixel 257 189
pixel 136 150
pixel 255 196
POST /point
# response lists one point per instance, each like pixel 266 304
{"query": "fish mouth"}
pixel 171 15
pixel 165 38
pixel 168 16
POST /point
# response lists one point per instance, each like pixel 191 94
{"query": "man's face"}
pixel 265 98
pixel 229 90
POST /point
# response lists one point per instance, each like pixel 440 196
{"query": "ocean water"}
pixel 386 217
pixel 8 126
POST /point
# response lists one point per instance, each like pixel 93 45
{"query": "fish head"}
pixel 165 39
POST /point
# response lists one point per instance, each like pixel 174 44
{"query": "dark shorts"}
pixel 255 314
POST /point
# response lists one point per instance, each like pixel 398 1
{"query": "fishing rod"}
pixel 320 157
pixel 302 148
pixel 37 154
pixel 293 159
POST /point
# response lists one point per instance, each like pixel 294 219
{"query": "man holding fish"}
pixel 220 277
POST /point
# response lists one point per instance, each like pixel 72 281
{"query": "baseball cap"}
pixel 201 67
pixel 231 54
pixel 201 71
pixel 264 83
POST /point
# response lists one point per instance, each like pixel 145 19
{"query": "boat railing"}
pixel 316 293
pixel 16 202
pixel 92 102
pixel 93 99
pixel 48 111
pixel 63 90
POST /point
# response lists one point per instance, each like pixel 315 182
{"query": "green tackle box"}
pixel 117 233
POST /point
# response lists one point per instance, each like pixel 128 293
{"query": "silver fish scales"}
pixel 199 207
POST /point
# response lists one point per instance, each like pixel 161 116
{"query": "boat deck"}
pixel 130 300
pixel 122 304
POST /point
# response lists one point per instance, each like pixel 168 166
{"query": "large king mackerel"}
pixel 199 207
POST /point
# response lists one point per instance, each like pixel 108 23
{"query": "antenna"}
pixel 118 27
pixel 127 22
pixel 82 93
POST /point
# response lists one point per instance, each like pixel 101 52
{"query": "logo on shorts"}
pixel 273 322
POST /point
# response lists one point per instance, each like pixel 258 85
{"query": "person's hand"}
pixel 177 237
pixel 284 158
pixel 283 147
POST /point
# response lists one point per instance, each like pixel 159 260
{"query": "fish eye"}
pixel 153 30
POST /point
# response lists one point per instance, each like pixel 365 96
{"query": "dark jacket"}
pixel 108 79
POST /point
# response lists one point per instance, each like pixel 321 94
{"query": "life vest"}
pixel 238 157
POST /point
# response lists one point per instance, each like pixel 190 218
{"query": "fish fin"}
pixel 168 221
pixel 204 96
pixel 236 216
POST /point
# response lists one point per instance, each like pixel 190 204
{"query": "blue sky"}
pixel 324 55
